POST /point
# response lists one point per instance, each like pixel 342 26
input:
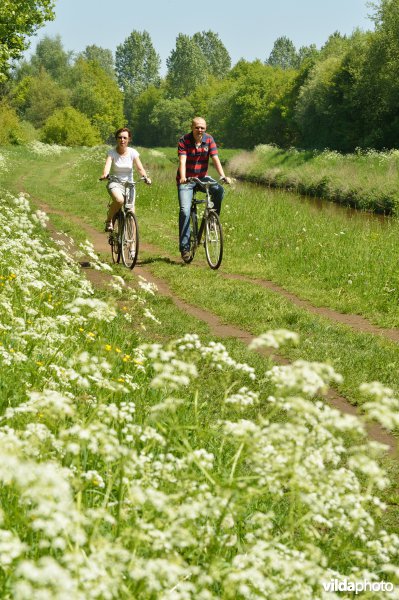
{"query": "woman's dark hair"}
pixel 117 133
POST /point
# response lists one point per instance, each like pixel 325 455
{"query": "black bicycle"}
pixel 210 227
pixel 124 238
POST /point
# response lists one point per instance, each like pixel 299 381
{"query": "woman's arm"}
pixel 107 167
pixel 141 169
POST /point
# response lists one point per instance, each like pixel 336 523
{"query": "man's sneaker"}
pixel 186 256
pixel 108 226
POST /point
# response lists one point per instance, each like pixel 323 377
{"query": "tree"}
pixel 377 87
pixel 217 109
pixel 336 45
pixel 37 97
pixel 50 55
pixel 96 95
pixel 307 53
pixel 68 127
pixel 12 129
pixel 187 67
pixel 316 107
pixel 137 64
pixel 254 105
pixel 283 54
pixel 172 119
pixel 20 19
pixel 217 58
pixel 102 56
pixel 145 133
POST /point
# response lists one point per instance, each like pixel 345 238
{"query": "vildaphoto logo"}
pixel 336 585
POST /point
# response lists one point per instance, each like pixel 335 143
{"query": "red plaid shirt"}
pixel 197 158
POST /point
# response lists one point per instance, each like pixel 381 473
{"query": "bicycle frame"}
pixel 129 194
pixel 124 240
pixel 210 224
pixel 209 206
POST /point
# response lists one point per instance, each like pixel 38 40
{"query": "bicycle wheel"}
pixel 213 240
pixel 193 235
pixel 114 240
pixel 130 240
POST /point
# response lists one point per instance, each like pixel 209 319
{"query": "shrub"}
pixel 69 127
pixel 12 130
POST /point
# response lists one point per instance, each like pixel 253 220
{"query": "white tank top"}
pixel 122 165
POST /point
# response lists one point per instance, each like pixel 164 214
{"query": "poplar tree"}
pixel 187 67
pixel 215 53
pixel 102 56
pixel 136 63
pixel 283 54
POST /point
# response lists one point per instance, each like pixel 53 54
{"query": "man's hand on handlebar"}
pixel 147 180
pixel 103 177
pixel 226 180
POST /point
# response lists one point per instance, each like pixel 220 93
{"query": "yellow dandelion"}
pixel 81 329
pixel 108 347
pixel 91 334
pixel 121 380
pixel 118 350
pixel 39 363
pixel 126 357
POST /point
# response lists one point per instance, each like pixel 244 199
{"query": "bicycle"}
pixel 124 238
pixel 210 223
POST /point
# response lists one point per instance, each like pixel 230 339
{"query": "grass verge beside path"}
pixel 349 265
pixel 131 470
pixel 359 357
pixel 365 180
pixel 346 262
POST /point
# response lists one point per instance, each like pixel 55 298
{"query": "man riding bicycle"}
pixel 194 150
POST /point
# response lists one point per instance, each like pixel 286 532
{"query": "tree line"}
pixel 341 96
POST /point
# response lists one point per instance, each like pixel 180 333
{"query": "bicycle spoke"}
pixel 213 240
pixel 114 241
pixel 130 241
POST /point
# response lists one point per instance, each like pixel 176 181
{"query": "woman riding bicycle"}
pixel 120 162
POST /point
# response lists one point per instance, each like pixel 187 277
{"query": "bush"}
pixel 68 127
pixel 12 130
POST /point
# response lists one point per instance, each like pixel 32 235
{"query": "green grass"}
pixel 134 464
pixel 365 180
pixel 346 262
pixel 358 357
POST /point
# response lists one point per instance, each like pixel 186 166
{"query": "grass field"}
pixel 143 459
pixel 345 263
pixel 366 180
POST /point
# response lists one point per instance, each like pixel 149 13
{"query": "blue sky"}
pixel 247 28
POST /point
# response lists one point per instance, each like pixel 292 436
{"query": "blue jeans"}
pixel 185 193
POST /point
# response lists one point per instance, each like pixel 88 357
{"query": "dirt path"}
pixel 100 243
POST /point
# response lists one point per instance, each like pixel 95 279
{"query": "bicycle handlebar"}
pixel 205 184
pixel 123 182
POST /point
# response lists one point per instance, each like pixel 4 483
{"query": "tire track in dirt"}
pixel 100 244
